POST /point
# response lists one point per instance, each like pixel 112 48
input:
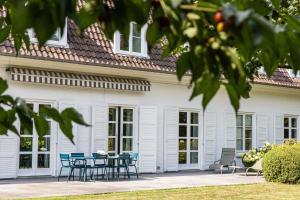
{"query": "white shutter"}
pixel 100 127
pixel 64 144
pixel 210 135
pixel 230 129
pixel 171 115
pixel 278 128
pixel 147 139
pixel 262 129
pixel 83 140
pixel 298 128
pixel 8 156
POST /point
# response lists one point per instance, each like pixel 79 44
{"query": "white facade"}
pixel 155 119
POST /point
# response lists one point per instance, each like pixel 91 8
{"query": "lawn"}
pixel 254 191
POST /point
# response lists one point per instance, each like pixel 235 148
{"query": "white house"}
pixel 135 103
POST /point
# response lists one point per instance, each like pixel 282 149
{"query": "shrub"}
pixel 254 155
pixel 282 164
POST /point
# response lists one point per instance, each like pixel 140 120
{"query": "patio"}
pixel 48 186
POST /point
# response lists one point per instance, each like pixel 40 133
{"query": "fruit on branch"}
pixel 218 17
pixel 220 26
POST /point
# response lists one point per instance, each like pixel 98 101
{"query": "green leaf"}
pixel 3 85
pixel 182 64
pixel 41 125
pixel 51 113
pixel 73 115
pixel 4 33
pixel 233 96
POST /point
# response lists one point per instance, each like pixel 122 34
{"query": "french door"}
pixel 34 151
pixel 121 130
pixel 188 140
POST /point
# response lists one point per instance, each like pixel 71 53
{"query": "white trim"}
pixel 253 143
pixel 62 39
pixel 144 46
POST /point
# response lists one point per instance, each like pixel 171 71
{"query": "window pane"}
pixel 136 30
pixel 286 133
pixel 194 131
pixel 183 117
pixel 111 144
pixel 239 133
pixel 182 144
pixel 127 130
pixel 194 118
pixel 112 114
pixel 294 122
pixel 294 134
pixel 127 115
pixel 127 144
pixel 194 157
pixel 239 144
pixel 239 120
pixel 43 161
pixel 286 122
pixel 26 144
pixel 136 45
pixel 248 120
pixel 25 161
pixel 124 44
pixel 248 144
pixel 182 131
pixel 111 129
pixel 182 158
pixel 194 144
pixel 44 144
pixel 248 133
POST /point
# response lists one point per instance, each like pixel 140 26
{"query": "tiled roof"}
pixel 95 49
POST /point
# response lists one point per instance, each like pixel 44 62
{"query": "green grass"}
pixel 272 191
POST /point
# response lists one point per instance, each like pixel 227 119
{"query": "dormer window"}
pixel 55 40
pixel 135 45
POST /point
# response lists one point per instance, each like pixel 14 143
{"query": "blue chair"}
pixel 65 163
pixel 123 163
pixel 133 162
pixel 79 162
pixel 100 162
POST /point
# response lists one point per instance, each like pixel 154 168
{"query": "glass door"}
pixel 35 152
pixel 188 143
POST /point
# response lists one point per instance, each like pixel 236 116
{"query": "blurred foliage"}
pixel 221 43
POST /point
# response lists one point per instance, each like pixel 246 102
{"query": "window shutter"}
pixel 298 128
pixel 171 116
pixel 64 145
pixel 262 129
pixel 210 137
pixel 147 139
pixel 100 128
pixel 84 133
pixel 230 129
pixel 8 156
pixel 278 128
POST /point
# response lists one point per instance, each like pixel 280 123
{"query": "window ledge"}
pixel 126 53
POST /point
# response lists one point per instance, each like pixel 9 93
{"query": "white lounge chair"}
pixel 227 159
pixel 257 167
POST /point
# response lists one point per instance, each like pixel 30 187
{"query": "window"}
pixel 290 127
pixel 188 138
pixel 55 40
pixel 34 150
pixel 120 130
pixel 135 45
pixel 244 132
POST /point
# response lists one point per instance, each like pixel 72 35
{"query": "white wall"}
pixel 264 99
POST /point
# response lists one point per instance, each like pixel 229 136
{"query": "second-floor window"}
pixel 135 44
pixel 244 131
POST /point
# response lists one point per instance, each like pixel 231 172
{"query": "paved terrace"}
pixel 48 186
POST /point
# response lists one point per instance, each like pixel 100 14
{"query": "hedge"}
pixel 282 164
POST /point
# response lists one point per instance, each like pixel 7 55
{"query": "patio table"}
pixel 84 159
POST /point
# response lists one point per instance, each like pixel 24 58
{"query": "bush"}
pixel 254 155
pixel 282 164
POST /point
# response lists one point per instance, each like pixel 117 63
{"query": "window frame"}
pixel 290 128
pixel 244 127
pixel 144 47
pixel 62 39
